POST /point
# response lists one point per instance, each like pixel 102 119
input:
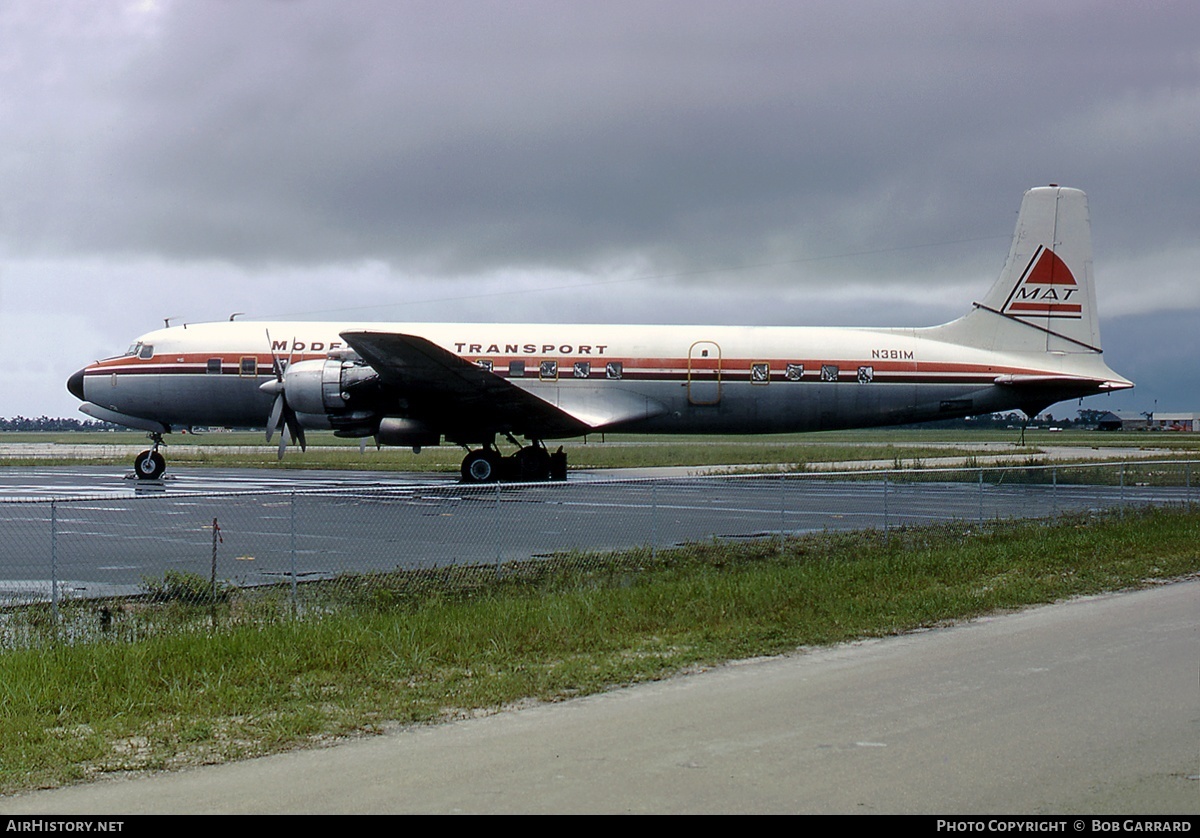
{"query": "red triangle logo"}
pixel 1046 290
pixel 1050 270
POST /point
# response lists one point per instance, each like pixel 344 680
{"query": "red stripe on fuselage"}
pixel 641 369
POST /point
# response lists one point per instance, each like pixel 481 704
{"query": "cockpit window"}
pixel 134 348
pixel 146 352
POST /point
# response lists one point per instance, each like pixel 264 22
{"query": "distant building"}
pixel 1109 421
pixel 1175 422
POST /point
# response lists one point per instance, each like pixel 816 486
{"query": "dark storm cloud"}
pixel 806 163
pixel 456 137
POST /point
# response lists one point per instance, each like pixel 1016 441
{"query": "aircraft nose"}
pixel 75 385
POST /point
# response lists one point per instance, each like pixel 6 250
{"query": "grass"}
pixel 792 451
pixel 327 452
pixel 405 648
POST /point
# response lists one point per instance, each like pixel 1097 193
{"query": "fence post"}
pixel 653 518
pixel 292 551
pixel 499 560
pixel 212 593
pixel 981 495
pixel 885 506
pixel 54 560
pixel 1122 488
pixel 1054 490
pixel 782 507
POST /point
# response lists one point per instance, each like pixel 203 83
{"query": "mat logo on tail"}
pixel 1045 290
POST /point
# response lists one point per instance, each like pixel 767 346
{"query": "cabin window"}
pixel 146 352
pixel 866 375
pixel 795 372
pixel 548 370
pixel 829 372
pixel 484 364
pixel 760 373
pixel 214 366
pixel 583 369
pixel 516 369
pixel 248 367
pixel 613 370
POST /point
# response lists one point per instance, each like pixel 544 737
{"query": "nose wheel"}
pixel 150 465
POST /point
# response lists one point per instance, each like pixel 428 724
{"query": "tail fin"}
pixel 1044 300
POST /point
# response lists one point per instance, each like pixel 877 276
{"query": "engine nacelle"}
pixel 339 393
pixel 410 433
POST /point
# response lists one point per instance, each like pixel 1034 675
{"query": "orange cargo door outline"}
pixel 704 373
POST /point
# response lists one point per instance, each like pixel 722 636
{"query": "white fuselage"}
pixel 686 379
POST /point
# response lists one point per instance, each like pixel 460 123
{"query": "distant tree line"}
pixel 1084 420
pixel 50 423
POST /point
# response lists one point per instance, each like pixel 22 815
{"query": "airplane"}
pixel 1034 340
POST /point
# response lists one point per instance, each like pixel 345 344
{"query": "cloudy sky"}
pixel 807 163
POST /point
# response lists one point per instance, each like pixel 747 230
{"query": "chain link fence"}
pixel 100 560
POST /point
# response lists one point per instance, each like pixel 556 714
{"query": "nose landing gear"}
pixel 150 465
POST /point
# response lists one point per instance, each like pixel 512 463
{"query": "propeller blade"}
pixel 276 367
pixel 282 417
pixel 292 424
pixel 276 415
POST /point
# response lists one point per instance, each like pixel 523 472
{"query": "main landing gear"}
pixel 530 464
pixel 150 465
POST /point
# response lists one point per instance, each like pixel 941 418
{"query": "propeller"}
pixel 282 417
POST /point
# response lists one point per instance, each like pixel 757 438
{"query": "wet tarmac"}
pixel 115 481
pixel 94 531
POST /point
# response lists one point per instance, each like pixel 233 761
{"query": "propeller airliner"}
pixel 1032 341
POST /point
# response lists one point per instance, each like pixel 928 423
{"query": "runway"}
pixel 33 482
pixel 279 525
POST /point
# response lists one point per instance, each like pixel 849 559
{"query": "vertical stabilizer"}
pixel 1047 280
pixel 1046 283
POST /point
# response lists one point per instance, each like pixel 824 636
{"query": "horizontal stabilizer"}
pixel 1098 385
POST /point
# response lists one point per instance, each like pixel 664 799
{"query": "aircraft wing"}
pixel 445 389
